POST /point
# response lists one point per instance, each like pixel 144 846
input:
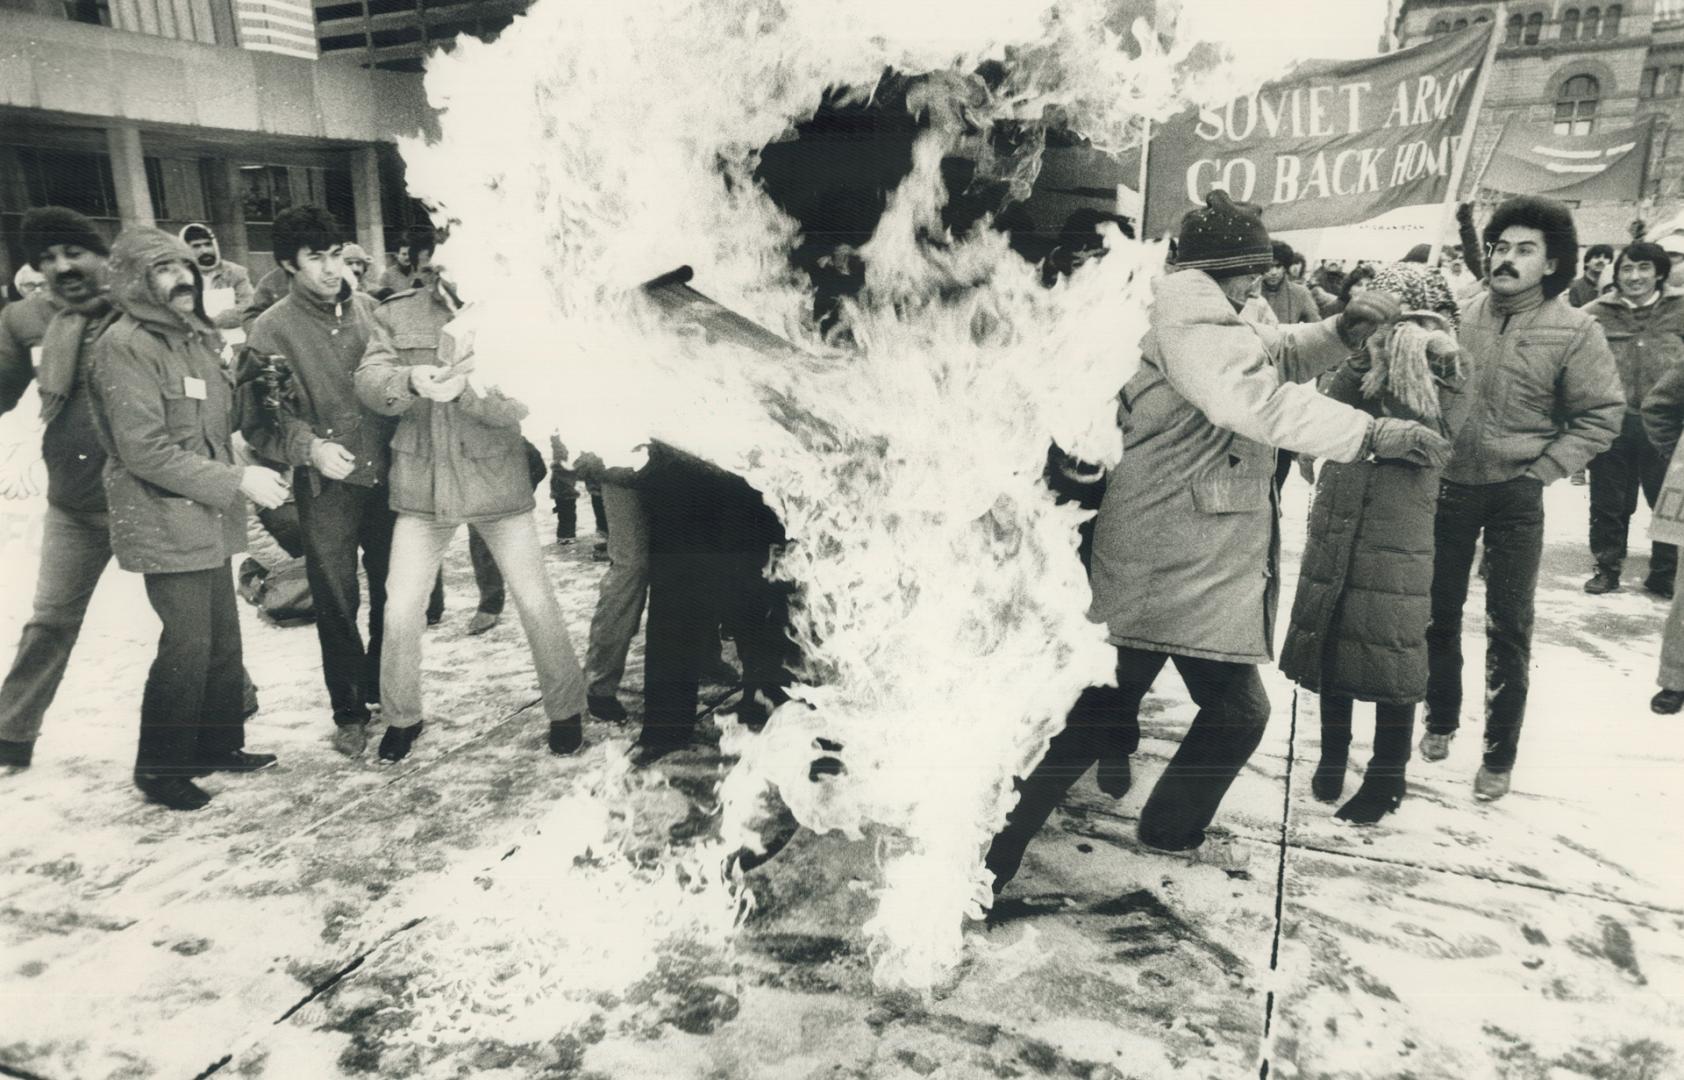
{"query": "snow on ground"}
pixel 478 911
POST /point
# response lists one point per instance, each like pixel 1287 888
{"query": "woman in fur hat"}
pixel 1359 620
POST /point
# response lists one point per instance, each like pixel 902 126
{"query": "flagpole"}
pixel 1145 145
pixel 1464 149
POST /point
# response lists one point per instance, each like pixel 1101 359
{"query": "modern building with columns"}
pixel 161 112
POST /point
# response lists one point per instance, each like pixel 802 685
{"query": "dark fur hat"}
pixel 1555 221
pixel 45 226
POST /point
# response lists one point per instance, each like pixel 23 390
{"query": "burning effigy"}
pixel 890 389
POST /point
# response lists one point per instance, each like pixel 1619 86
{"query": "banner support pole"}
pixel 1145 150
pixel 1464 149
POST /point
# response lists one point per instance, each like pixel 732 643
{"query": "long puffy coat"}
pixel 1186 544
pixel 1359 619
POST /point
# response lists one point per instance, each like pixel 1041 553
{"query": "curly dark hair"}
pixel 1561 236
pixel 1360 273
pixel 304 228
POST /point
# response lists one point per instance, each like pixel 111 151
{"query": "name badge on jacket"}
pixel 193 388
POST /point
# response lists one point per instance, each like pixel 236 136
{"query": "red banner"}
pixel 1335 142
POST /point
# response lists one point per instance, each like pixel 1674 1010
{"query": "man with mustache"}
pixel 219 274
pixel 1546 398
pixel 337 449
pixel 47 338
pixel 164 411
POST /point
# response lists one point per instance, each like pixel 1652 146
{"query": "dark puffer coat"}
pixel 1359 619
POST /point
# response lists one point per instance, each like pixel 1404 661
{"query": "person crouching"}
pixel 457 457
pixel 1359 619
pixel 164 411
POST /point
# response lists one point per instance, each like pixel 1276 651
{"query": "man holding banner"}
pixel 1546 398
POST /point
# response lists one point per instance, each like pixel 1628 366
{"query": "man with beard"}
pixel 336 447
pixel 229 280
pixel 1645 330
pixel 47 338
pixel 1546 398
pixel 164 411
pixel 1187 545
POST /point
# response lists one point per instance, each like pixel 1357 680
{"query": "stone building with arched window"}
pixel 1577 67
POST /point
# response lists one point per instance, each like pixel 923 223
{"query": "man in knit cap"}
pixel 1187 542
pixel 48 338
pixel 227 285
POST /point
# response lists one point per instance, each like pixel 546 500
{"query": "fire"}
pixel 942 606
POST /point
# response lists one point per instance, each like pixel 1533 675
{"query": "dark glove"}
pixel 1405 440
pixel 1367 312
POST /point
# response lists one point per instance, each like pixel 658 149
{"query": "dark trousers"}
pixel 1283 467
pixel 599 512
pixel 710 536
pixel 1233 711
pixel 337 521
pixel 1394 730
pixel 564 492
pixel 1511 515
pixel 193 706
pixel 1631 465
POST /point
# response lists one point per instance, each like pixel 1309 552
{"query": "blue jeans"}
pixel 75 549
pixel 418 546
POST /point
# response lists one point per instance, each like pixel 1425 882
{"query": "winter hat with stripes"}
pixel 1223 240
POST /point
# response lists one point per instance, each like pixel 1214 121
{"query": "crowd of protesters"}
pixel 1430 405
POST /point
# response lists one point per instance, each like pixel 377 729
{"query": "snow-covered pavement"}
pixel 444 917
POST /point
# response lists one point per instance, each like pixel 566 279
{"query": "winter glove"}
pixel 1405 440
pixel 1367 312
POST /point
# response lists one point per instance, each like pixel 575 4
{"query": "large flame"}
pixel 941 604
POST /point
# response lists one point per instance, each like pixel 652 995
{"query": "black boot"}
pixel 1605 580
pixel 19 753
pixel 395 744
pixel 1329 779
pixel 567 735
pixel 1381 792
pixel 1383 784
pixel 171 792
pixel 1328 783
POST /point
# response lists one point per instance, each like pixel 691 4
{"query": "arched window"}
pixel 1593 19
pixel 1459 24
pixel 1647 87
pixel 1517 23
pixel 1611 21
pixel 1674 78
pixel 1534 27
pixel 1570 24
pixel 1575 105
pixel 1441 26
